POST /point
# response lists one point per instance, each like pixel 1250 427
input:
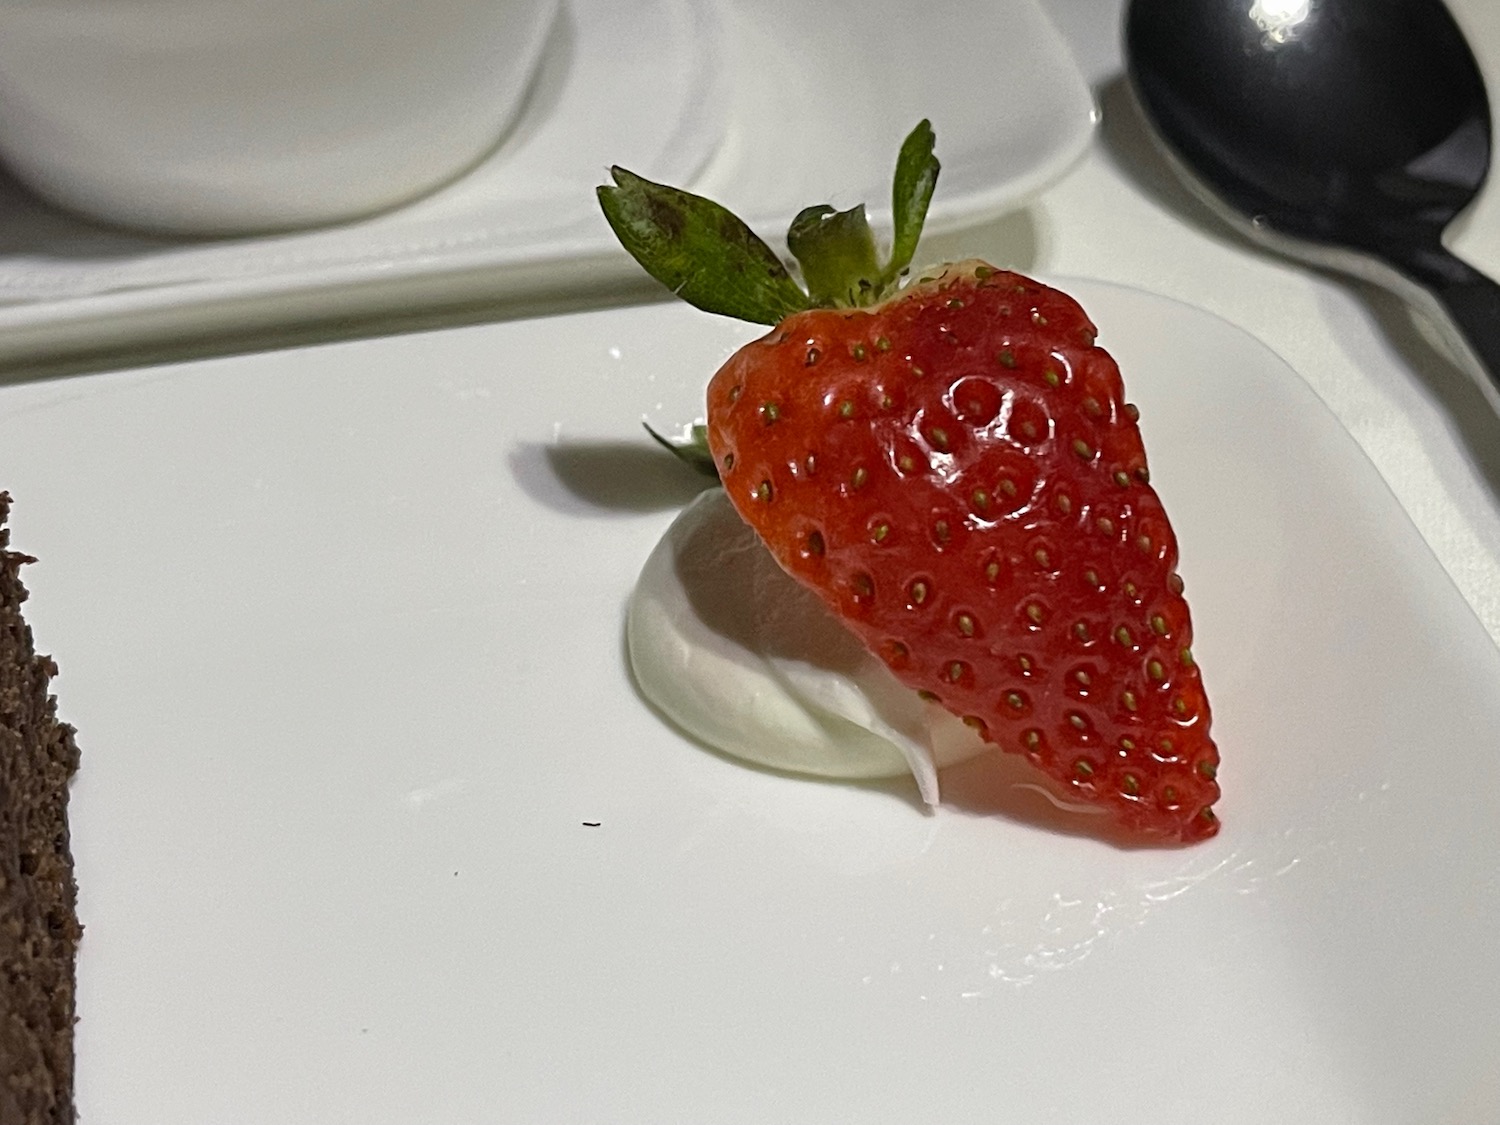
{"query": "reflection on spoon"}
pixel 1348 132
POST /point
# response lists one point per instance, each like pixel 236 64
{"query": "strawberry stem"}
pixel 836 251
pixel 712 260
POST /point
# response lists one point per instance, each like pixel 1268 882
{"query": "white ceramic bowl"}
pixel 223 116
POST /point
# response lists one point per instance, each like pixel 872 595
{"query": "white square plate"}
pixel 372 826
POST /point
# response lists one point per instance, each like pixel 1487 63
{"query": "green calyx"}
pixel 712 260
pixel 691 448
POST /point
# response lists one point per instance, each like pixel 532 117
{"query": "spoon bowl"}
pixel 1348 132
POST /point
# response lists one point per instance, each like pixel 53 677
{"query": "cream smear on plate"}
pixel 744 658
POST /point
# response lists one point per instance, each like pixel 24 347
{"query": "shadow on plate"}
pixel 995 785
pixel 1006 786
pixel 586 478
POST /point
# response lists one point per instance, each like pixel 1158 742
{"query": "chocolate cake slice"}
pixel 39 928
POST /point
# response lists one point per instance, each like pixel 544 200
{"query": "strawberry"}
pixel 952 466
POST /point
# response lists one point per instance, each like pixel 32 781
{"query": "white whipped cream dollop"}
pixel 744 658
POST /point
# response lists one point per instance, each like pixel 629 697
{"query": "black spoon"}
pixel 1350 133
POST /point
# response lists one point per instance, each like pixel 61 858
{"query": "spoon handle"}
pixel 1472 304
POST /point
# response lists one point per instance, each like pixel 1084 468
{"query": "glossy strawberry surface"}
pixel 957 473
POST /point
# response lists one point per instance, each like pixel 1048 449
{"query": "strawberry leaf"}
pixel 836 251
pixel 916 176
pixel 699 250
pixel 691 448
pixel 711 259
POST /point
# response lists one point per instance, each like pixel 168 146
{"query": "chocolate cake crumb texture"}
pixel 39 927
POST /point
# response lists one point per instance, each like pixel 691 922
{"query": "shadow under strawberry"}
pixel 588 477
pixel 1007 787
pixel 994 785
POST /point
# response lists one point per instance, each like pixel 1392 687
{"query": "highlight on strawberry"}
pixel 951 465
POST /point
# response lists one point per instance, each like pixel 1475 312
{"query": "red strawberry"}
pixel 953 467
